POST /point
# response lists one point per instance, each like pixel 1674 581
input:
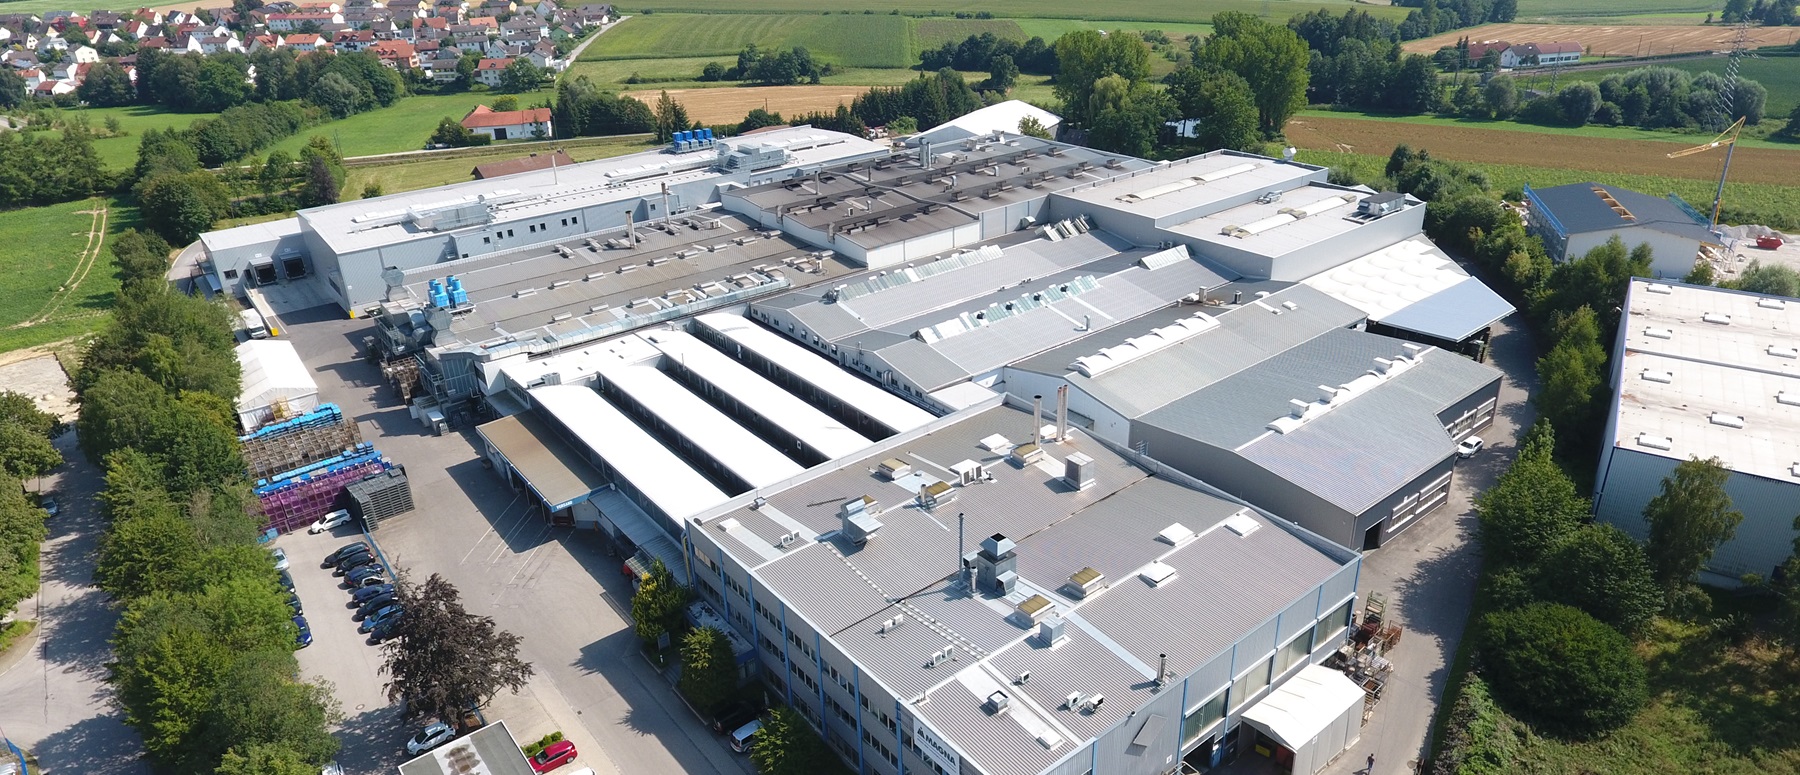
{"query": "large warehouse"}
pixel 354 245
pixel 1707 372
pixel 1578 217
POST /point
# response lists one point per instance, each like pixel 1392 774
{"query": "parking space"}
pixel 557 588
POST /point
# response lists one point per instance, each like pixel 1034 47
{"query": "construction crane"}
pixel 1727 138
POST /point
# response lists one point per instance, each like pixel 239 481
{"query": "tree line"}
pixel 25 452
pixel 203 653
pixel 978 52
pixel 181 200
pixel 770 67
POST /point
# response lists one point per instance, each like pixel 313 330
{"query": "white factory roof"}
pixel 1195 182
pixel 878 404
pixel 650 468
pixel 1413 285
pixel 712 434
pixel 273 372
pixel 367 223
pixel 813 427
pixel 999 117
pixel 252 234
pixel 1300 217
pixel 1710 372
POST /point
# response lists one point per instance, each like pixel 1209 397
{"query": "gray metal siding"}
pixel 1227 471
pixel 1763 540
pixel 1117 756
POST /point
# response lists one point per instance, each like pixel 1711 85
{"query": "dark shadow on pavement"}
pixel 90 747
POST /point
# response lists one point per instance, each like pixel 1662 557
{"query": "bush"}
pixel 537 746
pixel 1562 668
pixel 1604 572
pixel 1479 738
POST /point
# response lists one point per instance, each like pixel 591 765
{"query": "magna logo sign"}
pixel 935 749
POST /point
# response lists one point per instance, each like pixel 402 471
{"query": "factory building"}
pixel 1703 372
pixel 1578 217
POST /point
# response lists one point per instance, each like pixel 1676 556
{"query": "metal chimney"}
pixel 1062 412
pixel 665 200
pixel 1162 670
pixel 925 155
pixel 963 571
pixel 630 232
pixel 1037 419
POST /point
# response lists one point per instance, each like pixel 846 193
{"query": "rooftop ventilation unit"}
pixel 1085 582
pixel 1662 377
pixel 1052 631
pixel 889 625
pixel 1717 317
pixel 1727 420
pixel 1659 288
pixel 1381 204
pixel 1033 610
pixel 859 522
pixel 1788 398
pixel 1663 443
pixel 996 558
pixel 969 472
pixel 1078 471
pixel 1175 534
pixel 894 468
pixel 1026 454
pixel 1659 333
pixel 1771 304
pixel 1784 352
pixel 1157 573
pixel 936 494
pixel 996 703
pixel 1241 524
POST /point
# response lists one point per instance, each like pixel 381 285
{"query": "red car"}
pixel 553 756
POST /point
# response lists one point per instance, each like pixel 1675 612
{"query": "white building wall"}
pixel 1107 423
pixel 1673 256
pixel 1763 540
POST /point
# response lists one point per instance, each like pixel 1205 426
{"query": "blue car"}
pixel 365 594
pixel 380 618
pixel 367 575
pixel 304 639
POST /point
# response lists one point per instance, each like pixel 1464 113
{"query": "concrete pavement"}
pixel 56 701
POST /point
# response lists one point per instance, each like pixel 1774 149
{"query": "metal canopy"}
pixel 552 468
pixel 1453 314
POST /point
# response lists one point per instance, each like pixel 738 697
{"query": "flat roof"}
pixel 1279 227
pixel 1710 372
pixel 1413 285
pixel 804 364
pixel 252 234
pixel 553 469
pixel 711 433
pixel 1193 183
pixel 811 426
pixel 662 477
pixel 490 750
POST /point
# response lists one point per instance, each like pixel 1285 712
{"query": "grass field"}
pixel 1780 75
pixel 657 74
pixel 1612 40
pixel 58 278
pixel 403 126
pixel 121 151
pixel 1532 10
pixel 1678 140
pixel 396 176
pixel 878 40
pixel 1130 10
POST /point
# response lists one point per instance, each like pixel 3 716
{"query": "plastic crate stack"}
pixel 284 446
pixel 300 497
pixel 381 497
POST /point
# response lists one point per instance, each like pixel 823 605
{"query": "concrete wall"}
pixel 1673 256
pixel 1629 479
pixel 921 247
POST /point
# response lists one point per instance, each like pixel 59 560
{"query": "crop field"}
pixel 403 126
pixel 1780 75
pixel 1675 140
pixel 1532 10
pixel 396 176
pixel 1593 155
pixel 1051 29
pixel 722 106
pixel 1129 10
pixel 877 40
pixel 1624 40
pixel 56 277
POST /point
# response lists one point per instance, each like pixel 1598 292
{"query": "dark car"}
pixel 374 604
pixel 304 639
pixel 385 616
pixel 735 714
pixel 293 602
pixel 360 596
pixel 353 562
pixel 360 573
pixel 370 580
pixel 344 552
pixel 287 580
pixel 383 631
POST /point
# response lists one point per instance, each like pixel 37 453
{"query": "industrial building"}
pixel 1578 217
pixel 994 594
pixel 353 246
pixel 1704 372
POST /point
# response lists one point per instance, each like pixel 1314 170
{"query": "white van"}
pixel 740 740
pixel 253 324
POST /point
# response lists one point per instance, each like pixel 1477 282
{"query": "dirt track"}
pixel 1500 146
pixel 1612 41
pixel 729 104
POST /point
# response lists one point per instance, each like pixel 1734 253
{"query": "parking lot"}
pixel 555 587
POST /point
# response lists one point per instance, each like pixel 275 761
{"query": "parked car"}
pixel 281 560
pixel 429 738
pixel 293 602
pixel 553 756
pixel 304 639
pixel 361 573
pixel 383 631
pixel 740 739
pixel 48 503
pixel 735 714
pixel 329 521
pixel 353 562
pixel 374 604
pixel 370 580
pixel 344 551
pixel 383 616
pixel 1469 446
pixel 360 596
pixel 287 580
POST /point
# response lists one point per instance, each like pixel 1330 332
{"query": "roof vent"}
pixel 1034 609
pixel 1727 420
pixel 1717 317
pixel 1157 573
pixel 1784 352
pixel 1659 288
pixel 1659 333
pixel 1052 631
pixel 970 472
pixel 1794 470
pixel 895 468
pixel 1664 377
pixel 1241 524
pixel 996 703
pixel 1078 471
pixel 859 522
pixel 1771 304
pixel 1085 582
pixel 1663 443
pixel 1175 534
pixel 1788 397
pixel 996 443
pixel 936 494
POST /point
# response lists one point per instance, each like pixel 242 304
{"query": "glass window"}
pixel 1200 718
pixel 1248 684
pixel 1294 652
pixel 1336 620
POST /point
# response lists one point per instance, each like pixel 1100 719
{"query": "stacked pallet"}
pixel 318 435
pixel 293 499
pixel 380 497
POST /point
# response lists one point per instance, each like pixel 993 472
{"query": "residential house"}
pixel 397 54
pixel 106 20
pixel 53 88
pixel 385 29
pixel 488 71
pixel 289 22
pixel 5 35
pixel 489 23
pixel 305 41
pixel 1540 54
pixel 260 42
pixel 411 7
pixel 442 65
pixel 510 124
pixel 320 5
pixel 353 40
pixel 154 41
pixel 84 55
pixel 593 15
pixel 213 44
pixel 544 55
pixel 364 17
pixel 525 25
pixel 469 38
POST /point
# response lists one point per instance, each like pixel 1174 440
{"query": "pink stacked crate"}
pixel 305 499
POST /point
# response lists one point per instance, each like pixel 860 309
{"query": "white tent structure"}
pixel 999 117
pixel 275 382
pixel 1316 714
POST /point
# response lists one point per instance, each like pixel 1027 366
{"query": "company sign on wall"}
pixel 935 749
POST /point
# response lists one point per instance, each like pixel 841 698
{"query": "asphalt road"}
pixel 55 702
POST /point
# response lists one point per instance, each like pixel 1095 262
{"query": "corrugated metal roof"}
pixel 650 467
pixel 711 433
pixel 1454 313
pixel 1579 209
pixel 551 467
pixel 813 427
pixel 806 365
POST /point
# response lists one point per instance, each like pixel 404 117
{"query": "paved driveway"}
pixel 54 701
pixel 555 587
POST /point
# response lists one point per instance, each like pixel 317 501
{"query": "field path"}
pixel 1533 149
pixel 90 255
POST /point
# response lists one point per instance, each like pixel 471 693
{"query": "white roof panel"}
pixel 883 407
pixel 709 430
pixel 661 476
pixel 272 370
pixel 1301 708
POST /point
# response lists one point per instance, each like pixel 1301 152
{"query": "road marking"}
pixel 515 576
pixel 484 533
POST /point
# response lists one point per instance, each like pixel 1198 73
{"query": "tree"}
pixel 1735 11
pixel 265 759
pixel 12 88
pixel 713 71
pixel 1601 570
pixel 1271 57
pixel 443 660
pixel 504 103
pixel 906 125
pixel 1222 103
pixel 336 94
pixel 1003 74
pixel 787 746
pixel 1573 374
pixel 521 76
pixel 106 86
pixel 1786 583
pixel 1415 86
pixel 708 668
pixel 452 133
pixel 322 184
pixel 1028 126
pixel 1086 56
pixel 1688 520
pixel 1532 507
pixel 656 607
pixel 671 117
pixel 21 531
pixel 1562 667
pixel 258 703
pixel 1772 279
pixel 1501 95
pixel 758 118
pixel 19 409
pixel 219 85
pixel 1701 274
pixel 25 454
pixel 1578 101
pixel 183 207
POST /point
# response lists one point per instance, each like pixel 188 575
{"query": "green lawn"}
pixel 40 6
pixel 1530 10
pixel 1610 132
pixel 430 172
pixel 878 40
pixel 680 74
pixel 121 151
pixel 403 126
pixel 1134 10
pixel 48 246
pixel 1780 75
pixel 1051 29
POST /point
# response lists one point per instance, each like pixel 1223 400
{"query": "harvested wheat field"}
pixel 1532 149
pixel 1612 41
pixel 727 105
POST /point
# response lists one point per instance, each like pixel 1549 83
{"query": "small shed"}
pixel 1315 716
pixel 276 383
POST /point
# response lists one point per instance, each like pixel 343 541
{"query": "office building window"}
pixel 1201 717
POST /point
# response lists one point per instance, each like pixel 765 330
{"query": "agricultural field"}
pixel 1780 75
pixel 1051 29
pixel 57 279
pixel 1676 140
pixel 725 106
pixel 1131 10
pixel 403 126
pixel 428 171
pixel 1592 155
pixel 1562 10
pixel 1640 40
pixel 850 40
